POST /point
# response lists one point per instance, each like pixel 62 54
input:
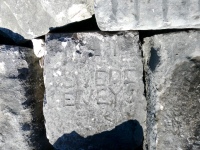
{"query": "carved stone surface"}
pixel 115 15
pixel 93 84
pixel 172 64
pixel 29 19
pixel 15 122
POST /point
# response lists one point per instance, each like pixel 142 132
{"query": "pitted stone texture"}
pixel 93 83
pixel 116 15
pixel 15 122
pixel 29 19
pixel 172 64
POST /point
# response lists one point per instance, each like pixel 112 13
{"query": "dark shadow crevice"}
pixel 33 79
pixel 5 40
pixel 81 26
pixel 7 36
pixel 148 33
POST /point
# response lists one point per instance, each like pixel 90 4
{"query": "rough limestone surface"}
pixel 15 117
pixel 29 19
pixel 94 91
pixel 172 64
pixel 115 15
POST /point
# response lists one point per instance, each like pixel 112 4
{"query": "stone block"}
pixel 117 15
pixel 29 19
pixel 15 94
pixel 94 91
pixel 172 65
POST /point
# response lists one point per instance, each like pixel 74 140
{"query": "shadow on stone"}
pixel 148 33
pixel 23 73
pixel 126 136
pixel 154 60
pixel 34 87
pixel 8 37
pixel 81 26
pixel 184 86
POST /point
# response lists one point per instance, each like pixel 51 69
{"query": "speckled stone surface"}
pixel 29 19
pixel 172 65
pixel 117 15
pixel 94 85
pixel 15 122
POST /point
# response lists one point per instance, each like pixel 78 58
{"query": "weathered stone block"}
pixel 93 84
pixel 172 64
pixel 15 117
pixel 115 15
pixel 29 19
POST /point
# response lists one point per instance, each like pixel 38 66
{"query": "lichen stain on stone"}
pixel 2 68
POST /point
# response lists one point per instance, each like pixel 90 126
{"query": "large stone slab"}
pixel 15 122
pixel 115 15
pixel 94 91
pixel 29 19
pixel 172 64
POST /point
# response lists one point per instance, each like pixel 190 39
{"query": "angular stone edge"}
pixel 26 28
pixel 57 35
pixel 153 105
pixel 112 14
pixel 34 93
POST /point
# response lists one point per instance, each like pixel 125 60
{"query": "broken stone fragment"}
pixel 172 65
pixel 117 15
pixel 94 91
pixel 15 117
pixel 39 50
pixel 38 47
pixel 29 19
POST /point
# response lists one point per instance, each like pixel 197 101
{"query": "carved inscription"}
pixel 102 95
pixel 128 76
pixel 117 79
pixel 108 85
pixel 70 95
pixel 137 11
pixel 101 78
pixel 93 82
pixel 165 10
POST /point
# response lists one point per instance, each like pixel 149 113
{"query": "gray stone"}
pixel 29 19
pixel 115 15
pixel 172 64
pixel 94 91
pixel 15 122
